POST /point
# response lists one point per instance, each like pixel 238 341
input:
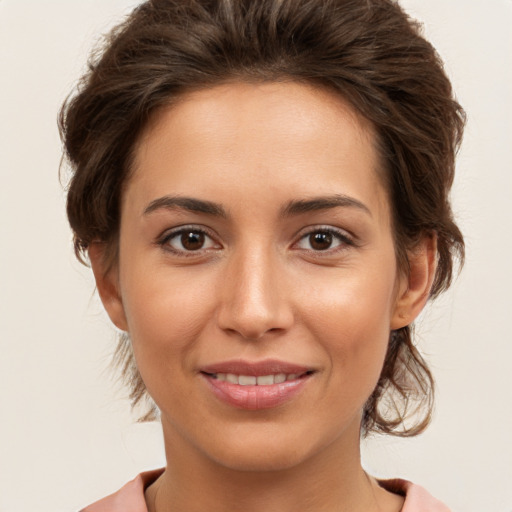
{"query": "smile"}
pixel 252 380
pixel 255 385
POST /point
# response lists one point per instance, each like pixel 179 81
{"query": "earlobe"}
pixel 414 288
pixel 107 283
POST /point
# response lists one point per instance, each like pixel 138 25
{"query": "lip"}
pixel 256 368
pixel 256 397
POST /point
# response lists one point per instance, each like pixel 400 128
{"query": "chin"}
pixel 266 450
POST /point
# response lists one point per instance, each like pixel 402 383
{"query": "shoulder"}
pixel 417 499
pixel 130 498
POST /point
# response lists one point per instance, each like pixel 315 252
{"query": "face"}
pixel 257 274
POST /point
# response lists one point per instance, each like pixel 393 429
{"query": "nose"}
pixel 254 296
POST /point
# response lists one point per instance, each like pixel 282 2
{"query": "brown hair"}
pixel 368 51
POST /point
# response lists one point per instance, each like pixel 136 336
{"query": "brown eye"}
pixel 188 240
pixel 320 241
pixel 325 239
pixel 192 240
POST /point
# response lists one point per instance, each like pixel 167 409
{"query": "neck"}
pixel 331 480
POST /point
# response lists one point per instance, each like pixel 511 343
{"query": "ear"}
pixel 414 287
pixel 107 283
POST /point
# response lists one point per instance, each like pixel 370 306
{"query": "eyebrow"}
pixel 296 207
pixel 186 203
pixel 323 203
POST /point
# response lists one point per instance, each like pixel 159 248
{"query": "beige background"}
pixel 66 433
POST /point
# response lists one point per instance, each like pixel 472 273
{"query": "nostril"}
pixel 253 312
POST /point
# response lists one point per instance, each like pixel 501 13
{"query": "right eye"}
pixel 188 240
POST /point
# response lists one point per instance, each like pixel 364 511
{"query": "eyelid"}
pixel 344 237
pixel 163 239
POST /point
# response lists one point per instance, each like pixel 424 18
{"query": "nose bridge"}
pixel 254 300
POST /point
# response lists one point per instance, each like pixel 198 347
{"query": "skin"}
pixel 260 288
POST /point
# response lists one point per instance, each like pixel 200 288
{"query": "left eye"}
pixel 322 240
pixel 188 240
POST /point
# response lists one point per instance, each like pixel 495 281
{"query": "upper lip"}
pixel 255 368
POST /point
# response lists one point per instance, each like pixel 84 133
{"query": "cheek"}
pixel 165 312
pixel 352 322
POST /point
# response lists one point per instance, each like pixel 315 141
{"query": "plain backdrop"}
pixel 67 436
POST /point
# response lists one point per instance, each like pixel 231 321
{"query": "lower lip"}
pixel 256 397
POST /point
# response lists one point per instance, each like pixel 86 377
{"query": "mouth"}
pixel 259 385
pixel 260 380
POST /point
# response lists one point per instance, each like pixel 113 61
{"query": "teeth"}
pixel 265 380
pixel 232 378
pixel 246 380
pixel 250 380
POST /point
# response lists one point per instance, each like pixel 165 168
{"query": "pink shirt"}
pixel 130 498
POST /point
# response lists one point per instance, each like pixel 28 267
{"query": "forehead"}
pixel 313 109
pixel 283 135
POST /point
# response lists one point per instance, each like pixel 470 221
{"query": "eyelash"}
pixel 341 236
pixel 164 240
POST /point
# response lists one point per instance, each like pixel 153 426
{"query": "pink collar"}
pixel 130 498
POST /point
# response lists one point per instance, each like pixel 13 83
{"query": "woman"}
pixel 262 191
